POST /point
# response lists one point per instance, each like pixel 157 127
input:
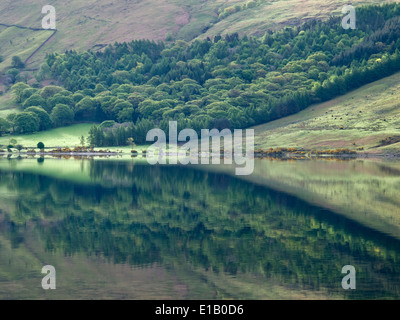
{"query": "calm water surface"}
pixel 126 230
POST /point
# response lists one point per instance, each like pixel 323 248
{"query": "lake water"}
pixel 121 229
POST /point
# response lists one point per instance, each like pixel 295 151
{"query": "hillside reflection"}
pixel 172 216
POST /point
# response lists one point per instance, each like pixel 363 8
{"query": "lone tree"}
pixel 11 143
pixel 17 62
pixel 82 141
pixel 19 147
pixel 131 141
pixel 40 146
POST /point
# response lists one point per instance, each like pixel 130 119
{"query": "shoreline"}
pixel 40 154
pixel 393 156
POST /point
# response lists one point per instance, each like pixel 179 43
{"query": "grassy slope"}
pixel 83 24
pixel 368 115
pixel 7 105
pixel 19 42
pixel 274 14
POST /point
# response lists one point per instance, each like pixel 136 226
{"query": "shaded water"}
pixel 126 230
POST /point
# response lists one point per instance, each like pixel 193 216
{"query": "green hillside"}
pixel 369 118
pixel 7 105
pixel 254 20
pixel 19 42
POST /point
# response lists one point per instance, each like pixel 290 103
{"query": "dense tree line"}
pixel 238 81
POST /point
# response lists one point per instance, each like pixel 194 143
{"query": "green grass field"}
pixel 65 136
pixel 359 119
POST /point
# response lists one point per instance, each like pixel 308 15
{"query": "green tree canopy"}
pixel 85 109
pixel 62 115
pixel 44 118
pixel 50 91
pixel 17 90
pixel 27 93
pixel 26 122
pixel 17 62
pixel 40 145
pixel 4 126
pixel 34 100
